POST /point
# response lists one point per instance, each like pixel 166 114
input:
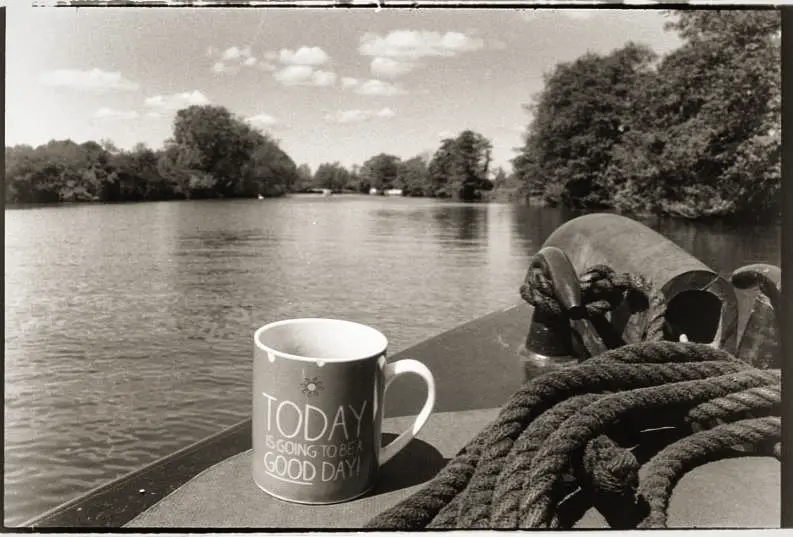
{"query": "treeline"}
pixel 212 154
pixel 693 133
pixel 459 169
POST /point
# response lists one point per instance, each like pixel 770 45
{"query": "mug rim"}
pixel 377 333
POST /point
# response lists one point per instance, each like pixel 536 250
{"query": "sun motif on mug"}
pixel 312 386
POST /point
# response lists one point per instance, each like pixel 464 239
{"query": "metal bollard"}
pixel 549 343
pixel 700 304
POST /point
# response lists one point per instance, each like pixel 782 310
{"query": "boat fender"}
pixel 698 301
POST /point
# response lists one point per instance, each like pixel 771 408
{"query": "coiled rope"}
pixel 575 429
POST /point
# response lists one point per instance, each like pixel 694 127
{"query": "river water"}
pixel 127 327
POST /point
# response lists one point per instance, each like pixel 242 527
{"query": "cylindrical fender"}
pixel 699 303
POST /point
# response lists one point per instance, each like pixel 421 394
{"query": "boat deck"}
pixel 225 496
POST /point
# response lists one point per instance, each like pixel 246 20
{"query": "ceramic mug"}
pixel 318 387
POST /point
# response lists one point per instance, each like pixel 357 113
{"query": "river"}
pixel 127 327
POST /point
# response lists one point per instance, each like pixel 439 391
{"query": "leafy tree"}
pixel 304 178
pixel 380 171
pixel 577 120
pixel 706 140
pixel 413 177
pixel 470 165
pixel 460 166
pixel 332 176
pixel 441 168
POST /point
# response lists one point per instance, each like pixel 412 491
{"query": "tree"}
pixel 706 139
pixel 413 177
pixel 460 167
pixel 331 176
pixel 441 168
pixel 470 165
pixel 380 171
pixel 578 118
pixel 304 178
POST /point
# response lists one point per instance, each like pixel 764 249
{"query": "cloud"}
pixel 390 67
pixel 91 80
pixel 413 44
pixel 262 120
pixel 445 134
pixel 372 87
pixel 400 51
pixel 304 75
pixel 358 116
pixel 111 114
pixel 177 100
pixel 303 56
pixel 236 53
pixel 231 60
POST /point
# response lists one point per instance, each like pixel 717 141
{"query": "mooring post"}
pixel 549 343
pixel 699 303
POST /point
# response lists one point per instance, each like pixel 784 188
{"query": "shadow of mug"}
pixel 417 463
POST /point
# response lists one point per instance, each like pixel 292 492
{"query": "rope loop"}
pixel 615 432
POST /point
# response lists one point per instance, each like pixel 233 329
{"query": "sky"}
pixel 331 84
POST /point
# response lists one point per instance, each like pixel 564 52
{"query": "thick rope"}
pixel 739 405
pixel 668 466
pixel 617 369
pixel 556 453
pixel 555 435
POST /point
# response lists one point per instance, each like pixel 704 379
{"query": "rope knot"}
pixel 611 469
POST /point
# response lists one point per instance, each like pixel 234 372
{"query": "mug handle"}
pixel 392 371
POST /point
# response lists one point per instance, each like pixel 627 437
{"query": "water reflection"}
pixel 465 222
pixel 724 246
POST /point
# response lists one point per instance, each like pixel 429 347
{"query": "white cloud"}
pixel 304 75
pixel 303 56
pixel 445 134
pixel 413 44
pixel 400 51
pixel 236 53
pixel 177 100
pixel 357 116
pixel 374 87
pixel 92 80
pixel 232 59
pixel 262 120
pixel 390 67
pixel 110 114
